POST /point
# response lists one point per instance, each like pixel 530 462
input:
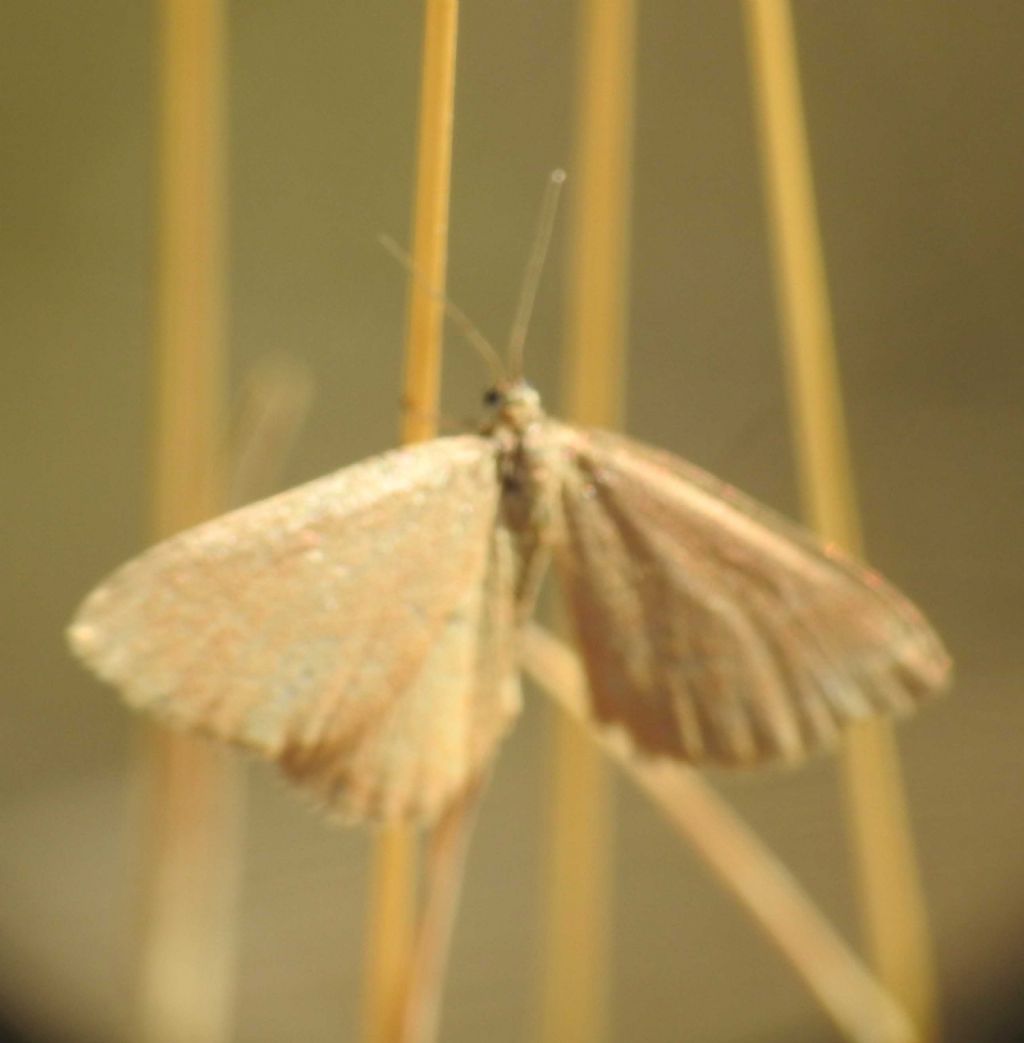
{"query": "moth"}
pixel 361 630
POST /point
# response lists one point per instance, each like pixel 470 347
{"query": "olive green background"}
pixel 915 114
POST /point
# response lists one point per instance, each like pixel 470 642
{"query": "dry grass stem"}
pixel 575 983
pixel 446 859
pixel 187 887
pixel 891 897
pixel 202 835
pixel 275 401
pixel 860 1007
pixel 394 865
pixel 430 220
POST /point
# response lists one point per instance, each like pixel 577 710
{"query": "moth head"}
pixel 513 402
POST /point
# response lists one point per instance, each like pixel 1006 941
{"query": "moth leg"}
pixel 536 557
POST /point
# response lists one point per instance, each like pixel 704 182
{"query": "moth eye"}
pixel 492 397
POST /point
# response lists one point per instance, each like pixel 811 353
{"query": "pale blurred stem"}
pixel 858 1005
pixel 392 892
pixel 275 400
pixel 190 890
pixel 446 859
pixel 188 882
pixel 577 912
pixel 892 901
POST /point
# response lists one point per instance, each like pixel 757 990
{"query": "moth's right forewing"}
pixel 298 624
pixel 715 630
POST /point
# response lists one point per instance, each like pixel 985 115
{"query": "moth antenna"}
pixel 461 320
pixel 534 268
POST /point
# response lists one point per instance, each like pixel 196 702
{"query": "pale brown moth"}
pixel 361 630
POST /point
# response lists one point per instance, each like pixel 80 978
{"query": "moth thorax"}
pixel 529 477
pixel 515 407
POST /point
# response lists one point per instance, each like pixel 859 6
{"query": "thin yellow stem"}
pixel 891 898
pixel 430 219
pixel 446 859
pixel 392 893
pixel 187 889
pixel 575 985
pixel 860 1007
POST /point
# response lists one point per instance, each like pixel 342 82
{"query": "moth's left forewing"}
pixel 426 746
pixel 712 628
pixel 350 629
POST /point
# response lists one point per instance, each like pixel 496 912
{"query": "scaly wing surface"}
pixel 356 629
pixel 713 629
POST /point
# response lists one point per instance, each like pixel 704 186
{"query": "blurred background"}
pixel 915 113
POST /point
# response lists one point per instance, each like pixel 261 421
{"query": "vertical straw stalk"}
pixel 392 894
pixel 188 883
pixel 858 1005
pixel 446 860
pixel 574 1003
pixel 275 400
pixel 892 902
